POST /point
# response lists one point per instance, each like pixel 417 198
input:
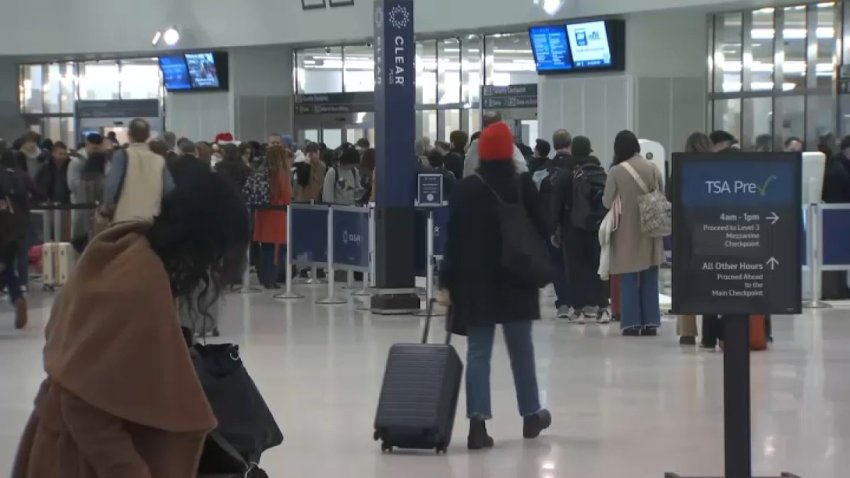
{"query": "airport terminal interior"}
pixel 767 82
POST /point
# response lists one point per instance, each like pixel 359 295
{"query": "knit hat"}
pixel 496 143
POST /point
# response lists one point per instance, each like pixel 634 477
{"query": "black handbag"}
pixel 524 253
pixel 246 427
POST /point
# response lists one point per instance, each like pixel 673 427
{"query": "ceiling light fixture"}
pixel 171 36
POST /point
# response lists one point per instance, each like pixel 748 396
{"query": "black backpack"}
pixel 524 253
pixel 546 180
pixel 587 211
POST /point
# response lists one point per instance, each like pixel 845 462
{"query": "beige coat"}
pixel 143 187
pixel 631 249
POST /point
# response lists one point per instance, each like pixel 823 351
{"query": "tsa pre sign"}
pixel 736 233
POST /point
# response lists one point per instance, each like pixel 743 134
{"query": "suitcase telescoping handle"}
pixel 430 313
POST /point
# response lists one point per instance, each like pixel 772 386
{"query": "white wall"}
pixel 660 96
pixel 129 27
pixel 259 100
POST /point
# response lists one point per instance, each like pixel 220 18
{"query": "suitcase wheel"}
pixel 441 449
pixel 386 448
pixel 376 436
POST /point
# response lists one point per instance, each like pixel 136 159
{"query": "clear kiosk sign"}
pixel 736 233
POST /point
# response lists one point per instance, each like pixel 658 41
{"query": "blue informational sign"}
pixel 550 47
pixel 836 231
pixel 430 190
pixel 175 73
pixel 351 238
pixel 736 233
pixel 308 237
pixel 395 102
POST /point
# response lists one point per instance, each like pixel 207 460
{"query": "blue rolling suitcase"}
pixel 419 395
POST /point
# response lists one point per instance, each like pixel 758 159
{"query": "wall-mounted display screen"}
pixel 175 74
pixel 202 70
pixel 579 46
pixel 195 71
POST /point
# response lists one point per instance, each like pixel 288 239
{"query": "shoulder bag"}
pixel 655 210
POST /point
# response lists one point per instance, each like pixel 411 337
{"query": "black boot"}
pixel 532 425
pixel 478 437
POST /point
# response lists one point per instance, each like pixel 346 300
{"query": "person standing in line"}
pixel 367 175
pixel 454 159
pixel 794 145
pixel 36 157
pixel 545 178
pixel 80 218
pixel 635 255
pixel 270 225
pixel 686 325
pixel 482 294
pixel 542 148
pixel 470 164
pixel 577 212
pixel 310 175
pixel 138 178
pixel 247 154
pixel 342 181
pixel 52 177
pixel 233 167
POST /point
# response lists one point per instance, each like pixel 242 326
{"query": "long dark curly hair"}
pixel 201 235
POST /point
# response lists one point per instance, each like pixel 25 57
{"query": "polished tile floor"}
pixel 632 408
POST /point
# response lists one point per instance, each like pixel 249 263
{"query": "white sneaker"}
pixel 564 312
pixel 604 317
pixel 576 317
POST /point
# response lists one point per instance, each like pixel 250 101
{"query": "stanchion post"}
pixel 288 294
pixel 429 264
pixel 331 298
pixel 814 237
pixel 367 276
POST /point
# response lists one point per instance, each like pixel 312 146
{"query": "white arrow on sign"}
pixel 773 218
pixel 772 262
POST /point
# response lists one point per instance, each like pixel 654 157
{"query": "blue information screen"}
pixel 551 49
pixel 175 74
pixel 202 70
pixel 589 46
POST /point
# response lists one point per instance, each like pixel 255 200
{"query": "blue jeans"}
pixel 10 279
pixel 521 352
pixel 560 279
pixel 639 305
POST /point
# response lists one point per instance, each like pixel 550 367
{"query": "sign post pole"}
pixel 331 299
pixel 289 294
pixel 736 253
pixel 815 259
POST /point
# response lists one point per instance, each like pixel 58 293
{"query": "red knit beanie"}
pixel 223 137
pixel 496 143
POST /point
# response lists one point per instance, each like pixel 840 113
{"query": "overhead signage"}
pixel 736 233
pixel 341 103
pixel 118 108
pixel 512 96
pixel 430 190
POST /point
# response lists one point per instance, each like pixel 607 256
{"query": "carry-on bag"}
pixel 759 332
pixel 419 395
pixel 246 427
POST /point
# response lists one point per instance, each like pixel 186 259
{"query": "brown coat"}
pixel 313 190
pixel 631 249
pixel 121 398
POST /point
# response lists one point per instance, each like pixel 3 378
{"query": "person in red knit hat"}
pixel 483 294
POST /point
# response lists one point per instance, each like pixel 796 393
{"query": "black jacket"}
pixel 53 181
pixel 454 162
pixel 236 172
pixel 836 185
pixel 185 168
pixel 562 192
pixel 482 292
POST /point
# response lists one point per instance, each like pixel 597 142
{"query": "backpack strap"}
pixel 639 180
pixel 481 178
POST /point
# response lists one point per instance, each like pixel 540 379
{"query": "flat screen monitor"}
pixel 578 47
pixel 203 71
pixel 175 74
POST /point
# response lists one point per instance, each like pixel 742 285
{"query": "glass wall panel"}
pixel 727 116
pixel 426 124
pixel 758 125
pixel 825 34
pixel 471 69
pixel 508 60
pixel 473 121
pixel 448 71
pixel 359 65
pixel 728 60
pixel 319 70
pixel 761 56
pixel 426 72
pixel 140 79
pixel 31 93
pixel 794 39
pixel 791 111
pixel 450 121
pixel 820 117
pixel 99 80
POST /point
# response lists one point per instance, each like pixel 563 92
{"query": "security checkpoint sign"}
pixel 430 190
pixel 736 233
